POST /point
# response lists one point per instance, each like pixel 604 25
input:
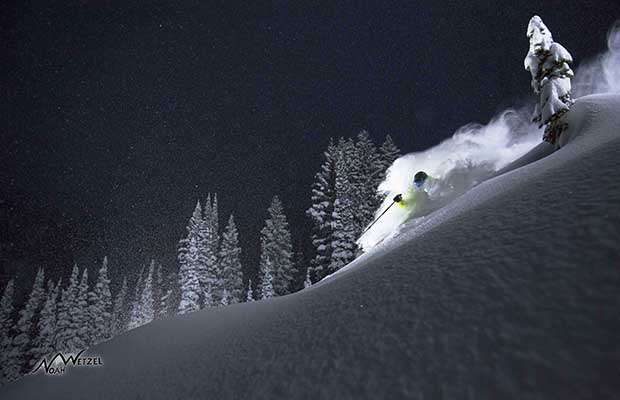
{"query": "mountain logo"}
pixel 57 364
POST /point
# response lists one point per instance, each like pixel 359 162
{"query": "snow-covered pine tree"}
pixel 230 262
pixel 300 268
pixel 548 63
pixel 214 221
pixel 388 153
pixel 65 327
pixel 146 298
pixel 6 340
pixel 249 296
pixel 307 281
pixel 159 290
pixel 267 290
pixel 135 315
pixel 119 313
pixel 321 212
pixel 226 300
pixel 211 281
pixel 365 175
pixel 100 306
pixel 191 269
pixel 344 236
pixel 276 246
pixel 172 299
pixel 26 325
pixel 44 343
pixel 161 293
pixel 80 317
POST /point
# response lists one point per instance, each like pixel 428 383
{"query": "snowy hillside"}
pixel 509 292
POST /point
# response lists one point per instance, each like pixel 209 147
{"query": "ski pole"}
pixel 397 198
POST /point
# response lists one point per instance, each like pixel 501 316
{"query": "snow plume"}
pixel 474 146
pixel 470 156
pixel 602 74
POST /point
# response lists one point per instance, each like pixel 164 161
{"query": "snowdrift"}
pixel 508 292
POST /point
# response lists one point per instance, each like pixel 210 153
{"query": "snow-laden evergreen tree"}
pixel 6 339
pixel 230 263
pixel 161 294
pixel 192 268
pixel 25 327
pixel 159 290
pixel 143 310
pixel 44 343
pixel 307 281
pixel 277 248
pixel 300 268
pixel 135 315
pixel 66 329
pixel 146 298
pixel 344 236
pixel 365 173
pixel 548 63
pixel 388 153
pixel 100 306
pixel 211 281
pixel 172 300
pixel 322 210
pixel 267 289
pixel 119 313
pixel 249 296
pixel 81 316
pixel 226 300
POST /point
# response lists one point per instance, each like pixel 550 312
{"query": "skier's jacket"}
pixel 415 197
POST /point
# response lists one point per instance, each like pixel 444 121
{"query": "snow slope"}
pixel 510 292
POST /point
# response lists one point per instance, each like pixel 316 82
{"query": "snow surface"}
pixel 508 292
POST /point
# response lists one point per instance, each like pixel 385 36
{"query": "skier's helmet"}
pixel 419 178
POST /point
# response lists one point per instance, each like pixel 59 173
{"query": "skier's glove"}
pixel 398 198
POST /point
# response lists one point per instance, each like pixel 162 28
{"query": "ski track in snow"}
pixel 509 292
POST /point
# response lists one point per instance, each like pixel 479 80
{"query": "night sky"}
pixel 118 115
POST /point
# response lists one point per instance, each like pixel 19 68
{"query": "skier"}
pixel 419 199
pixel 416 196
pixel 413 200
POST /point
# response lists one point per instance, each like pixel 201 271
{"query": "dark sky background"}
pixel 118 115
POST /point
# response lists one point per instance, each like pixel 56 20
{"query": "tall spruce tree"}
pixel 230 263
pixel 80 316
pixel 388 153
pixel 158 289
pixel 119 313
pixel 65 327
pixel 100 307
pixel 172 300
pixel 6 325
pixel 307 281
pixel 365 175
pixel 146 297
pixel 276 246
pixel 135 316
pixel 267 289
pixel 212 283
pixel 44 343
pixel 321 212
pixel 249 297
pixel 26 328
pixel 192 271
pixel 344 235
